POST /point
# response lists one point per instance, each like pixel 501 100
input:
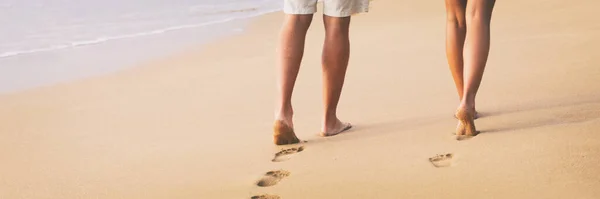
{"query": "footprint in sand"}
pixel 266 196
pixel 285 154
pixel 442 160
pixel 272 178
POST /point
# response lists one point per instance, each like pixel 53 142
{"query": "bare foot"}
pixel 283 134
pixel 466 125
pixel 476 116
pixel 340 127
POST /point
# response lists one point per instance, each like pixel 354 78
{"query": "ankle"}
pixel 284 113
pixel 465 110
pixel 330 120
pixel 284 116
pixel 467 103
pixel 468 99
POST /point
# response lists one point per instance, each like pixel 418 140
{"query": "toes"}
pixel 347 126
pixel 295 140
pixel 344 127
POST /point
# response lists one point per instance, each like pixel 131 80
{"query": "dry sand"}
pixel 198 124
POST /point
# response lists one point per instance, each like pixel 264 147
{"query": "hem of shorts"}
pixel 308 12
pixel 347 14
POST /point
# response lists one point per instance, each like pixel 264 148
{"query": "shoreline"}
pixel 72 62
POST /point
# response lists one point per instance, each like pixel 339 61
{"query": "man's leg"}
pixel 291 50
pixel 477 47
pixel 336 53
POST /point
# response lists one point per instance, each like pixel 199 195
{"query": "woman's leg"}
pixel 477 44
pixel 456 28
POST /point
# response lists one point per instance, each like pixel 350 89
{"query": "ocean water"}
pixel 49 41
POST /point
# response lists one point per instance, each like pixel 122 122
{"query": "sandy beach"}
pixel 199 124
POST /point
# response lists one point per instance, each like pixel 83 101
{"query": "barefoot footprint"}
pixel 272 178
pixel 286 154
pixel 266 196
pixel 442 160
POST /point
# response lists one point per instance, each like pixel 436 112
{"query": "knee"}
pixel 475 16
pixel 336 31
pixel 456 19
pixel 337 26
pixel 455 13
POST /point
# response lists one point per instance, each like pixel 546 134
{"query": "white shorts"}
pixel 333 8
